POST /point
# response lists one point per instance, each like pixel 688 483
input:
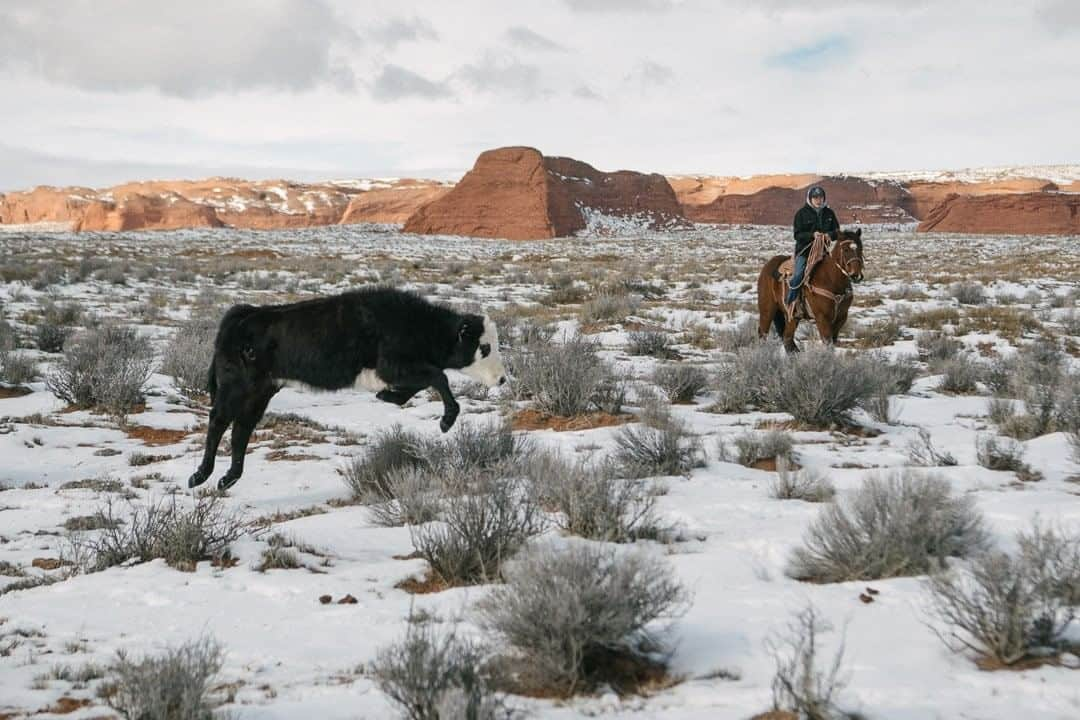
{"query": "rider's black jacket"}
pixel 808 221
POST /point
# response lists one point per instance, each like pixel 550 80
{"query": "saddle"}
pixel 801 307
pixel 818 251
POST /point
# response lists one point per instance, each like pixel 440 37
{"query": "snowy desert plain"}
pixel 649 300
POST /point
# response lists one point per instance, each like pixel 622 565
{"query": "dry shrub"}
pixel 582 615
pixel 905 524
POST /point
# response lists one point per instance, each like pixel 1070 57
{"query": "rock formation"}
pixel 1019 214
pixel 518 194
pixel 393 203
pixel 217 202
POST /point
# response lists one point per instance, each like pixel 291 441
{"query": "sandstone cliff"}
pixel 217 202
pixel 1020 214
pixel 519 194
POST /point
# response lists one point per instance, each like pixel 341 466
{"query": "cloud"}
pixel 816 6
pixel 621 5
pixel 649 74
pixel 1059 16
pixel 398 31
pixel 189 49
pixel 503 75
pixel 585 92
pixel 397 83
pixel 526 39
pixel 812 57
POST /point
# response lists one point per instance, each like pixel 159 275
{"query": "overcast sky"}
pixel 100 91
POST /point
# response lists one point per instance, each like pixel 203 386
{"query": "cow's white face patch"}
pixel 368 380
pixel 487 365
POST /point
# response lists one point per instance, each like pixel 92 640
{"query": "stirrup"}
pixel 794 309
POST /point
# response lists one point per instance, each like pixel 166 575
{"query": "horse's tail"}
pixel 779 322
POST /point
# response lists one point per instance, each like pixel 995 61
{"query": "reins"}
pixel 836 299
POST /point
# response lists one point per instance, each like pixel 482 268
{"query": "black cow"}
pixel 381 339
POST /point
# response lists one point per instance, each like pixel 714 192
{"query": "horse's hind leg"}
pixel 243 426
pixel 766 312
pixel 779 321
pixel 789 336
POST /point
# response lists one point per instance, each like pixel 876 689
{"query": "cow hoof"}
pixel 227 481
pixel 197 478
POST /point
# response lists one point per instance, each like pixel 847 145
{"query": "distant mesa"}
pixel 219 202
pixel 1013 214
pixel 1029 200
pixel 519 194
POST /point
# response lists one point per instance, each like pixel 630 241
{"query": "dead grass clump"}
pixel 801 687
pixel 163 529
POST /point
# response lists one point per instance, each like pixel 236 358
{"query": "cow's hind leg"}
pixel 225 406
pixel 216 427
pixel 398 395
pixel 243 426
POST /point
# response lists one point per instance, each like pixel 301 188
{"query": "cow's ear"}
pixel 470 325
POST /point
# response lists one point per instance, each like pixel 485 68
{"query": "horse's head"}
pixel 848 255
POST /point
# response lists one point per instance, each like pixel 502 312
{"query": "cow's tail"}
pixel 211 378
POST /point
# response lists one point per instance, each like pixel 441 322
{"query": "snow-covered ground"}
pixel 1060 174
pixel 288 655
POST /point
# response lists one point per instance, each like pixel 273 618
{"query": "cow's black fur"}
pixel 326 343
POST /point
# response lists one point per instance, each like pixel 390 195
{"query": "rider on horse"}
pixel 813 219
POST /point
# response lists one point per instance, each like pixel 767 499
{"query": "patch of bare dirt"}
pixel 432 582
pixel 155 436
pixel 535 420
pixel 278 455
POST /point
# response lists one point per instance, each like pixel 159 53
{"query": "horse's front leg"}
pixel 838 324
pixel 825 327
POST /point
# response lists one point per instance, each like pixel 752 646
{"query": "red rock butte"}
pixel 519 194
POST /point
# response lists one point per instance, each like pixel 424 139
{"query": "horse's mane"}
pixel 855 235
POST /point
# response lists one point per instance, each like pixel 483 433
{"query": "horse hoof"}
pixel 197 478
pixel 227 481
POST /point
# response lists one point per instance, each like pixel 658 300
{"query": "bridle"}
pixel 845 268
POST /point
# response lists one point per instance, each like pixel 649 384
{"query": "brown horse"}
pixel 827 290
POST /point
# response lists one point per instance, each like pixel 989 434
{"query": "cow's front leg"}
pixel 450 405
pixel 405 375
